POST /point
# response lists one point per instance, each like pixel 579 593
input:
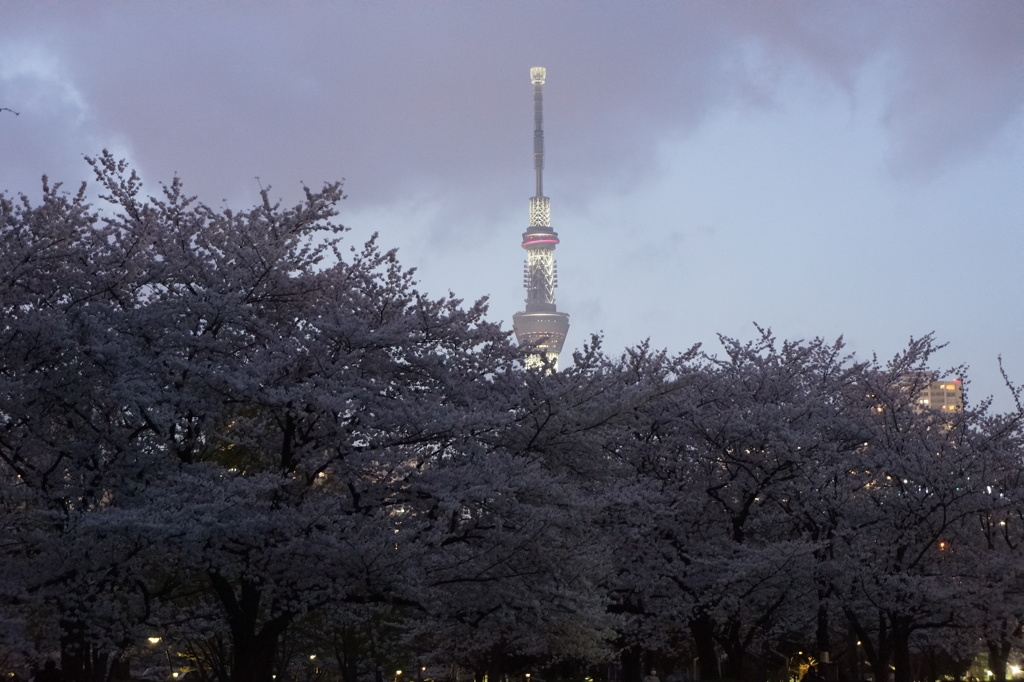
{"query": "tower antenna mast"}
pixel 538 75
pixel 540 327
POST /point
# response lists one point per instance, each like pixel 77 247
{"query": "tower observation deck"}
pixel 540 326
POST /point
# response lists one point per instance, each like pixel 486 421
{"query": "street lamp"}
pixel 156 639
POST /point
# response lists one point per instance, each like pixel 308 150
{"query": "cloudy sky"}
pixel 822 167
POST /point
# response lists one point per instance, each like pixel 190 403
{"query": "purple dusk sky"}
pixel 822 167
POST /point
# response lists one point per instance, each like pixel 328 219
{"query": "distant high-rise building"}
pixel 540 326
pixel 943 395
pixel 946 395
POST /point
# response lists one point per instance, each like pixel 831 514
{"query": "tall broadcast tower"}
pixel 540 326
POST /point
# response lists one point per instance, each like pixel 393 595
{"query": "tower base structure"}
pixel 542 332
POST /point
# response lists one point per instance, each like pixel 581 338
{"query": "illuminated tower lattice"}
pixel 540 326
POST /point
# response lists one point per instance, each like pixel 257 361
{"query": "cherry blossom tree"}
pixel 724 458
pixel 223 420
pixel 786 490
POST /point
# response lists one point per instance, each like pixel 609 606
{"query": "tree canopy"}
pixel 235 434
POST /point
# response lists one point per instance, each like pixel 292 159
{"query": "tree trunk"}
pixel 822 634
pixel 735 666
pixel 900 632
pixel 120 668
pixel 998 654
pixel 254 646
pixel 703 631
pixel 75 652
pixel 346 653
pixel 80 659
pixel 878 654
pixel 631 660
pixel 253 659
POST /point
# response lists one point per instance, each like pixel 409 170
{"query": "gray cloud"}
pixel 396 96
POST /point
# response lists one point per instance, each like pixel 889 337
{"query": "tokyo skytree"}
pixel 540 326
